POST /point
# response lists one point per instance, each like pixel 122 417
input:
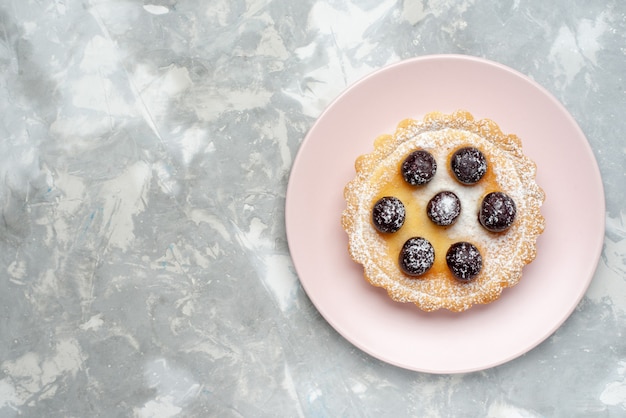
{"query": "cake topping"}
pixel 444 208
pixel 419 168
pixel 468 165
pixel 417 256
pixel 464 261
pixel 497 212
pixel 388 214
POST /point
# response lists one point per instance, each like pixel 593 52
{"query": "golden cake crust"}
pixel 504 254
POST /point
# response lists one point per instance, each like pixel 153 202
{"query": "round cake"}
pixel 444 213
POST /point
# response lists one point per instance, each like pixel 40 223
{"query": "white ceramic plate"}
pixel 484 336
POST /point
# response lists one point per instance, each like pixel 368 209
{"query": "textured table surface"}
pixel 145 152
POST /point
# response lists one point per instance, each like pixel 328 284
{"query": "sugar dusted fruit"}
pixel 444 208
pixel 464 261
pixel 419 167
pixel 388 214
pixel 417 256
pixel 497 212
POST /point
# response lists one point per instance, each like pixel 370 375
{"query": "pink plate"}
pixel 484 336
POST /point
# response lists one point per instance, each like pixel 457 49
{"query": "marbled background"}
pixel 145 149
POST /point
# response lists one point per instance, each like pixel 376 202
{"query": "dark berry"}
pixel 444 208
pixel 419 168
pixel 417 256
pixel 388 214
pixel 464 261
pixel 468 165
pixel 497 212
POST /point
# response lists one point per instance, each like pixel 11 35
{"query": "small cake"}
pixel 444 213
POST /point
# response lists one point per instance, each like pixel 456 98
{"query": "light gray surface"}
pixel 145 152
